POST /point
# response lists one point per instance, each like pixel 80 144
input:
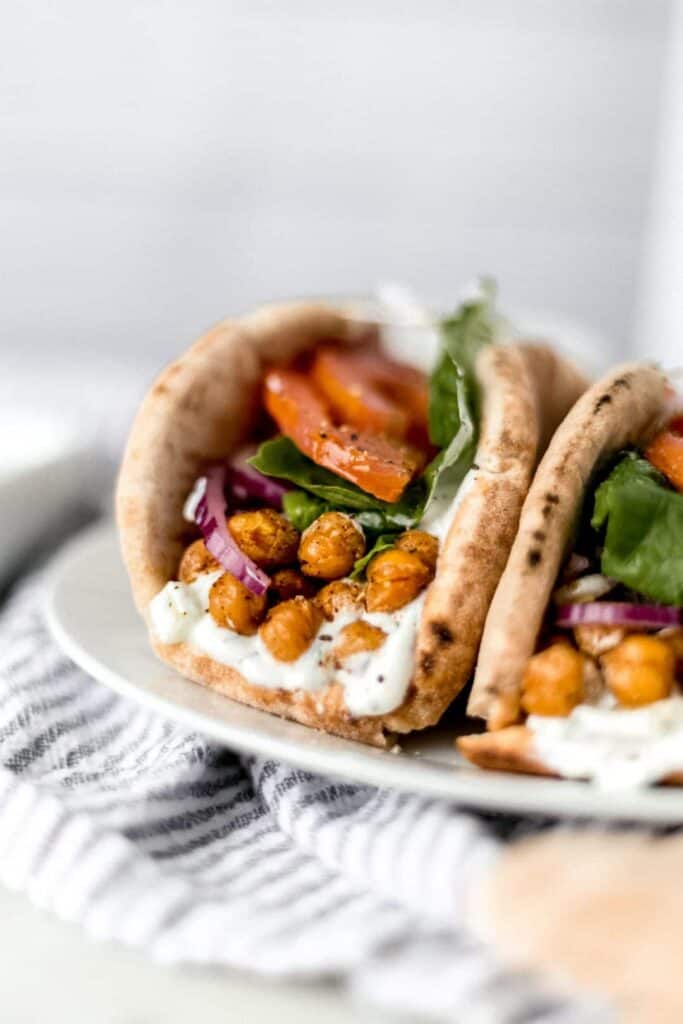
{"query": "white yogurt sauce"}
pixel 375 682
pixel 616 749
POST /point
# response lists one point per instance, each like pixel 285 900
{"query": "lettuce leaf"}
pixel 643 521
pixel 454 392
pixel 463 335
pixel 281 458
pixel 302 509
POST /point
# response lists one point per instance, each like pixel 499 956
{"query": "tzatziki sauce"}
pixel 615 748
pixel 374 682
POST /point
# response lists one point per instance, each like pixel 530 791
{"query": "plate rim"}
pixel 473 788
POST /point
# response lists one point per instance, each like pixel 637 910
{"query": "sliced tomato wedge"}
pixel 665 453
pixel 371 392
pixel 380 465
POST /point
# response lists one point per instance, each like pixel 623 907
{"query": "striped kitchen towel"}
pixel 115 818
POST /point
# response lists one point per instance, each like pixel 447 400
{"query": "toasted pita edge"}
pixel 203 406
pixel 512 750
pixel 623 408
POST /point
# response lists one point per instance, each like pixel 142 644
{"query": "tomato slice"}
pixel 380 465
pixel 372 392
pixel 665 453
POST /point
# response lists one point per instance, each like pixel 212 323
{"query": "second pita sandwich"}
pixel 315 529
pixel 581 663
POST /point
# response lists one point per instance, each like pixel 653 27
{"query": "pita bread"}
pixel 624 408
pixel 204 405
pixel 595 909
pixel 512 750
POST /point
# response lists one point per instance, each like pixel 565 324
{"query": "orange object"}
pixel 665 453
pixel 372 392
pixel 382 466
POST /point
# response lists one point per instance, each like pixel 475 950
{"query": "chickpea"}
pixel 597 640
pixel 330 546
pixel 553 681
pixel 640 670
pixel 339 594
pixel 422 544
pixel 395 577
pixel 197 559
pixel 356 638
pixel 233 606
pixel 290 628
pixel 265 536
pixel 288 583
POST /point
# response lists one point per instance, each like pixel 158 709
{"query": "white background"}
pixel 164 164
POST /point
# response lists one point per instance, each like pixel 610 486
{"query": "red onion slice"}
pixel 247 483
pixel 618 613
pixel 210 518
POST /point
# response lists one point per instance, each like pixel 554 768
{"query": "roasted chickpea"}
pixel 265 536
pixel 422 544
pixel 197 559
pixel 597 640
pixel 640 670
pixel 233 606
pixel 290 628
pixel 357 637
pixel 339 594
pixel 330 546
pixel 553 681
pixel 288 583
pixel 395 577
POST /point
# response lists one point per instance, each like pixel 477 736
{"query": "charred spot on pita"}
pixel 427 662
pixel 533 557
pixel 539 535
pixel 601 402
pixel 442 632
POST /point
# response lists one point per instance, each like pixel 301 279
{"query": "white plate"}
pixel 91 614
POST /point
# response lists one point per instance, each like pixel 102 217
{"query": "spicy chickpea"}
pixel 357 638
pixel 265 536
pixel 339 595
pixel 290 628
pixel 330 546
pixel 395 578
pixel 553 681
pixel 422 544
pixel 196 560
pixel 640 670
pixel 234 607
pixel 288 583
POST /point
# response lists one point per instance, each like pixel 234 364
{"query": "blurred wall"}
pixel 166 163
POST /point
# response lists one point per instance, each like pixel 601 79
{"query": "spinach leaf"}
pixel 281 458
pixel 302 509
pixel 463 335
pixel 643 543
pixel 454 392
pixel 382 543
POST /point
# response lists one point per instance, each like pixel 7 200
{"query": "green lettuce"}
pixel 281 458
pixel 302 509
pixel 643 522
